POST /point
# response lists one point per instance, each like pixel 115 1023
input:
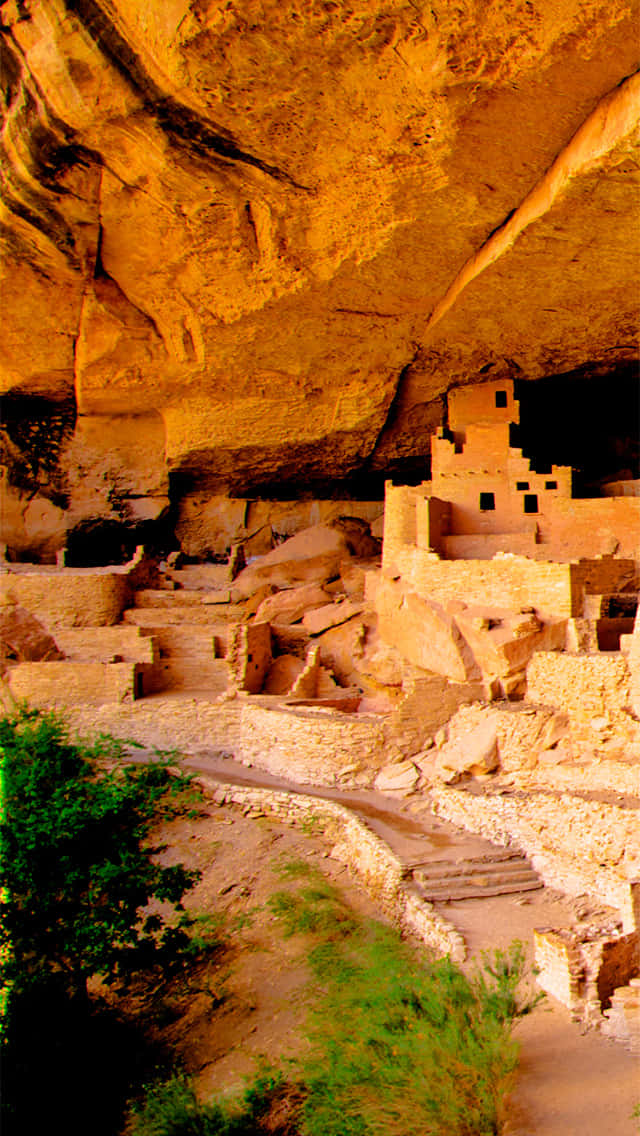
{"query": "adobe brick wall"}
pixel 69 597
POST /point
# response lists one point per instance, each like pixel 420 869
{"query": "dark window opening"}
pixel 531 502
pixel 487 501
pixel 501 398
pixel 139 685
pixel 522 484
pixel 551 484
pixel 249 658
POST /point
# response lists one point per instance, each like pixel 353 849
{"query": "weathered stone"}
pixel 290 605
pixel 401 777
pixel 310 556
pixel 282 675
pixel 473 753
pixel 274 285
pixel 23 638
pixel 331 615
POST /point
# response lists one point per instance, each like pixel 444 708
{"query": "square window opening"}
pixel 551 484
pixel 501 398
pixel 531 502
pixel 522 484
pixel 487 502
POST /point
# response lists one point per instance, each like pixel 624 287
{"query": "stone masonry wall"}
pixel 367 856
pixel 584 686
pixel 506 581
pixel 308 745
pixel 68 598
pixel 99 644
pixel 577 846
pixel 69 683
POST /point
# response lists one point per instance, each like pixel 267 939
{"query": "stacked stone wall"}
pixel 68 683
pixel 584 686
pixel 577 846
pixel 69 598
pixel 355 844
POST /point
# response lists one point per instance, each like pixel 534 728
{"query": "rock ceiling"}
pixel 254 243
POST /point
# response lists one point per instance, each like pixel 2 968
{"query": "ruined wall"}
pixel 577 846
pixel 505 582
pixel 249 655
pixel 63 684
pixel 100 644
pixel 584 686
pixel 68 598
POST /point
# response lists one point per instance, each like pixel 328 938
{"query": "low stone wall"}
pixel 68 597
pixel 62 684
pixel 100 644
pixel 367 856
pixel 576 846
pixel 308 745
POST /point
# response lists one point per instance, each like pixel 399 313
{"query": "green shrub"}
pixel 76 872
pixel 171 1108
pixel 400 1047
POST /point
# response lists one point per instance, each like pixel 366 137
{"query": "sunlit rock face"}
pixel 251 245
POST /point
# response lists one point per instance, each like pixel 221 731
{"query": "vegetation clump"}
pixel 77 878
pixel 399 1046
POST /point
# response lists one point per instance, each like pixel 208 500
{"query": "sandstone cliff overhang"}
pixel 253 246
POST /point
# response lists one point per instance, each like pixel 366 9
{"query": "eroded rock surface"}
pixel 253 245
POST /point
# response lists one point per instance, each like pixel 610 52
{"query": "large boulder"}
pixel 311 556
pixel 290 605
pixel 24 639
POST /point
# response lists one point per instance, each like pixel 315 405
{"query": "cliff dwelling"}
pixel 320 438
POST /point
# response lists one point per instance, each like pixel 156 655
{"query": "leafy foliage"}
pixel 75 872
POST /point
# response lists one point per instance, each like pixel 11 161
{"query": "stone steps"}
pixel 452 893
pixel 503 862
pixel 502 873
pixel 152 617
pixel 162 598
pixel 476 879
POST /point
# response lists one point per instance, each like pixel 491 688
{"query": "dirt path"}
pixel 570 1083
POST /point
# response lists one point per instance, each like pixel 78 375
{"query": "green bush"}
pixel 76 872
pixel 171 1108
pixel 401 1047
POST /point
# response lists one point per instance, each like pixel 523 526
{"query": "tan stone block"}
pixel 472 753
pixel 289 605
pixel 331 615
